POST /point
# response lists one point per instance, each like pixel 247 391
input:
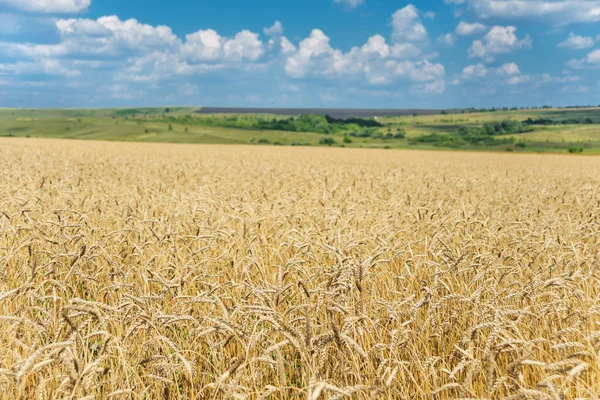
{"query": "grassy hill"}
pixel 569 130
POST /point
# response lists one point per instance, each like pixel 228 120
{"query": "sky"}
pixel 310 53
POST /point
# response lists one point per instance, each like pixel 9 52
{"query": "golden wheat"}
pixel 166 271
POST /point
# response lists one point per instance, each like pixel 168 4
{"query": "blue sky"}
pixel 310 53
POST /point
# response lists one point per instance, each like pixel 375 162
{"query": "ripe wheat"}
pixel 150 271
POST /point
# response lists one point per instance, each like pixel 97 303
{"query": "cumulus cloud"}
pixel 317 44
pixel 377 61
pixel 208 45
pixel 275 30
pixel 591 61
pixel 593 57
pixel 42 66
pixel 466 29
pixel 350 3
pixel 471 72
pixel 560 12
pixel 507 73
pixel 508 69
pixel 407 25
pixel 448 39
pixel 131 54
pixel 547 78
pixel 518 79
pixel 245 45
pixel 577 42
pixel 278 42
pixel 48 6
pixel 203 45
pixel 112 36
pixel 499 40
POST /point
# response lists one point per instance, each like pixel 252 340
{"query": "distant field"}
pixel 569 130
pixel 167 271
pixel 334 112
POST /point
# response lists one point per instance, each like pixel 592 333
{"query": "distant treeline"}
pixel 363 123
pixel 489 133
pixel 484 135
pixel 301 123
pixel 548 121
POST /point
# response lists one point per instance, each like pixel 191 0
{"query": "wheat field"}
pixel 142 271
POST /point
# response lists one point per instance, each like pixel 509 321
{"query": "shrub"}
pixel 326 141
pixel 263 141
pixel 347 140
pixel 400 134
pixel 574 150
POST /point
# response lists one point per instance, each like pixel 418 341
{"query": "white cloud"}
pixel 508 69
pixel 317 44
pixel 140 52
pixel 123 92
pixel 286 46
pixel 41 66
pixel 245 45
pixel 275 30
pixel 578 89
pixel 203 45
pixel 499 40
pixel 111 36
pixel 478 70
pixel 448 39
pixel 577 42
pixel 376 45
pixel 560 12
pixel 376 61
pixel 350 3
pixel 130 53
pixel 593 57
pixel 508 73
pixel 471 72
pixel 48 6
pixel 437 86
pixel 407 25
pixel 466 29
pixel 592 60
pixel 516 80
pixel 547 78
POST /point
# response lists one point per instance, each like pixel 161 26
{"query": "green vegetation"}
pixel 548 121
pixel 574 130
pixel 302 123
pixel 476 136
pixel 365 123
